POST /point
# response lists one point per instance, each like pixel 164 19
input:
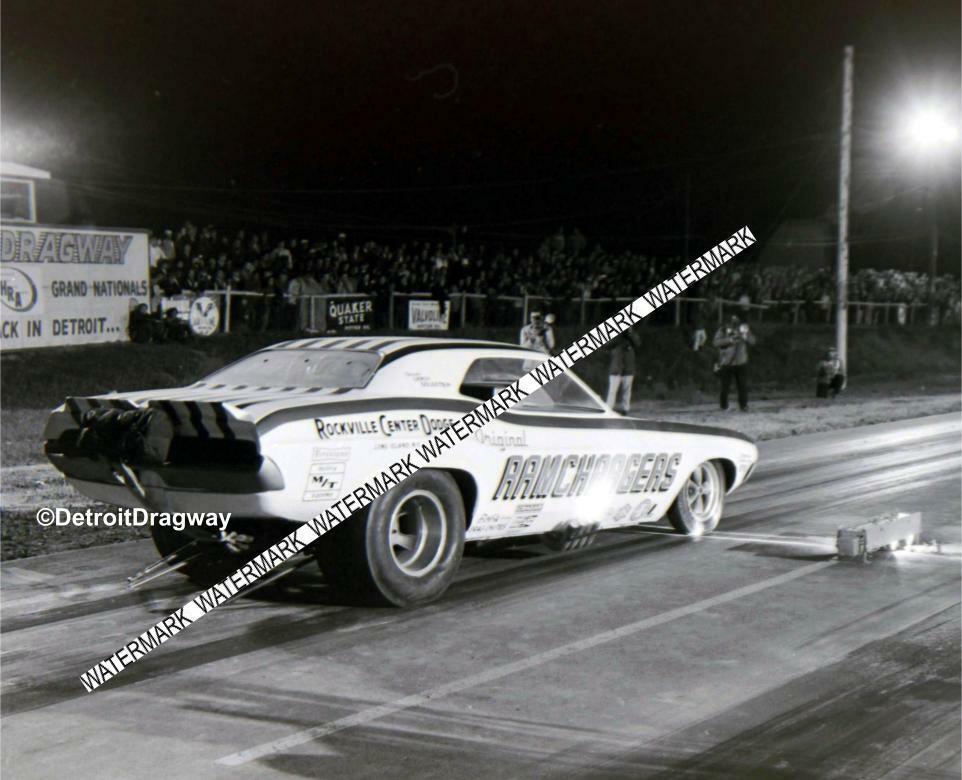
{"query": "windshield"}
pixel 301 368
pixel 560 394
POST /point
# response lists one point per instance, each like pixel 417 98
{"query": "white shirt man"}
pixel 537 335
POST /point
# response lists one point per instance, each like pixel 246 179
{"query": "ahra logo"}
pixel 17 290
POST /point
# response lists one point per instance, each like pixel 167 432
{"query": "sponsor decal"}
pixel 384 425
pixel 569 476
pixel 320 454
pixel 642 512
pixel 525 515
pixel 501 441
pixel 487 523
pixel 324 480
pixel 424 380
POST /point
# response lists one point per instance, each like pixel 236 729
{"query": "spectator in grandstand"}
pixel 621 371
pixel 174 328
pixel 538 335
pixel 142 327
pixel 829 375
pixel 732 342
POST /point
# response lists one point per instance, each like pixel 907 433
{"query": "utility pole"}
pixel 844 175
pixel 932 218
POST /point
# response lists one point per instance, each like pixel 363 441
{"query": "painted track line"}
pixel 372 714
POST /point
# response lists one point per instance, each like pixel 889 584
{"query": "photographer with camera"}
pixel 539 334
pixel 732 342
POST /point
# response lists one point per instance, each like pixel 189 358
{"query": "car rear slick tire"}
pixel 699 505
pixel 404 549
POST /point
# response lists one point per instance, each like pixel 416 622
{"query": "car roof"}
pixel 395 346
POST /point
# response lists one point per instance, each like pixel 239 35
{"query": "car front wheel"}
pixel 404 549
pixel 700 502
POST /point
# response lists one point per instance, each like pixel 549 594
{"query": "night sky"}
pixel 399 118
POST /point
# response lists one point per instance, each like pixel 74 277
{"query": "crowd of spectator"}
pixel 194 259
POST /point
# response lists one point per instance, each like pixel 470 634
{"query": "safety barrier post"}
pixel 227 310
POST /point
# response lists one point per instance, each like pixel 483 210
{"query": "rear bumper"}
pixel 210 479
pixel 268 507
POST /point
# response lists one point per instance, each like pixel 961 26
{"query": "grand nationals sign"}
pixel 66 285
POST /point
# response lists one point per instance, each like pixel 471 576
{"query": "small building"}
pixel 18 192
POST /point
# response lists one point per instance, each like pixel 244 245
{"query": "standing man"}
pixel 621 371
pixel 830 375
pixel 537 335
pixel 732 342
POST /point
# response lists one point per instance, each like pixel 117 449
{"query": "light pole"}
pixel 844 176
pixel 928 132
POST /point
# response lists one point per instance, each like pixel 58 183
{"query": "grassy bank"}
pixel 888 362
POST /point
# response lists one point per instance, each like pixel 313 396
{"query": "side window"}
pixel 561 394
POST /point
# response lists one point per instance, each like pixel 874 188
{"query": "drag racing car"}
pixel 279 435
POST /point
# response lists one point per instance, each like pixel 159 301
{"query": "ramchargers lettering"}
pixel 426 452
pixel 570 476
pixel 47 246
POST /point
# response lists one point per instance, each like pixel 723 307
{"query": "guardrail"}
pixel 309 313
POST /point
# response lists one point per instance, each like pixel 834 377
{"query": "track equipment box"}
pixel 892 531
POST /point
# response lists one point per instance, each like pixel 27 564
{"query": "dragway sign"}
pixel 67 285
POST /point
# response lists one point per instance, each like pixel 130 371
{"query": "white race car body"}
pixel 271 449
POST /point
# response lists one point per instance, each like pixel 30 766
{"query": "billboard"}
pixel 428 315
pixel 65 285
pixel 347 312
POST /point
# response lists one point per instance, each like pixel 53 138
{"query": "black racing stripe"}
pixel 197 419
pixel 288 389
pixel 309 344
pixel 222 421
pixel 363 344
pixel 334 343
pixel 168 407
pixel 377 346
pixel 239 387
pixel 403 351
pixel 359 406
